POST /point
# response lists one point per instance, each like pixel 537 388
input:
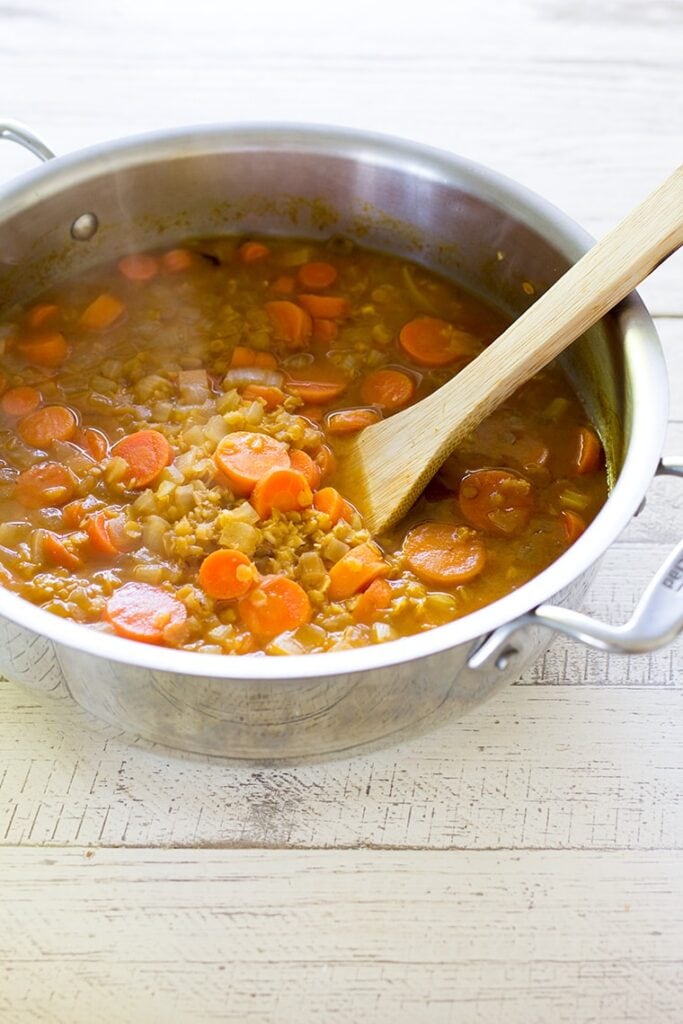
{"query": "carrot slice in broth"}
pixel 330 501
pixel 317 383
pixel 348 421
pixel 356 570
pixel 275 605
pixel 227 574
pixel 147 452
pixel 51 423
pixel 284 489
pixel 326 307
pixel 48 349
pixel 245 457
pixel 444 554
pixel 304 464
pixel 44 485
pixel 496 500
pixel 291 323
pixel 372 602
pixel 253 252
pixel 139 611
pixel 389 389
pixel 139 267
pixel 430 341
pixel 20 401
pixel 175 261
pixel 316 275
pixel 102 313
pixel 574 525
pixel 41 314
pixel 55 550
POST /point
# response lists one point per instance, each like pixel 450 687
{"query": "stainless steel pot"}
pixel 461 219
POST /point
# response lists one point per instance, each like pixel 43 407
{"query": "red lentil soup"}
pixel 170 426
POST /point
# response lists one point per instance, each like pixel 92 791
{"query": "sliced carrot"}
pixel 433 342
pixel 317 383
pixel 574 525
pixel 272 396
pixel 44 485
pixel 253 252
pixel 326 460
pixel 496 500
pixel 76 511
pixel 303 463
pixel 243 356
pixel 444 554
pixel 284 489
pixel 102 313
pixel 348 421
pixel 387 388
pixel 330 501
pixel 315 413
pixel 55 550
pixel 176 260
pixel 39 315
pixel 275 605
pixel 51 423
pixel 588 454
pixel 227 575
pixel 325 330
pixel 147 452
pixel 3 382
pixel 100 537
pixel 20 401
pixel 47 349
pixel 292 324
pixel 373 601
pixel 355 571
pixel 317 275
pixel 139 611
pixel 94 442
pixel 327 307
pixel 283 285
pixel 245 458
pixel 139 266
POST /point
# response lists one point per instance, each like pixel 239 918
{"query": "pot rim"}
pixel 645 371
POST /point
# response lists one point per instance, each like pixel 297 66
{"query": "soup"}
pixel 170 425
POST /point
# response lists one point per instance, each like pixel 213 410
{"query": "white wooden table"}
pixel 522 866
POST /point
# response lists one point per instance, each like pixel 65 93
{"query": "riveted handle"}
pixel 14 131
pixel 656 621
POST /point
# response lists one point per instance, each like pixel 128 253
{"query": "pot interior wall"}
pixel 408 209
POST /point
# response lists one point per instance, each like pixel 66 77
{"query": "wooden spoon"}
pixel 387 465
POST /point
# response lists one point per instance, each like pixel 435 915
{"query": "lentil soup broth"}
pixel 170 425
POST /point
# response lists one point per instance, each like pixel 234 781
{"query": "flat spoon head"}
pixel 385 468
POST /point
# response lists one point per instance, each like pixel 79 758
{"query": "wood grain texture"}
pixel 589 767
pixel 257 936
pixel 528 861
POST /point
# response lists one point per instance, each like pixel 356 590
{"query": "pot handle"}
pixel 14 131
pixel 656 621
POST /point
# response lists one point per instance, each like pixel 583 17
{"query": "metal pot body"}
pixel 460 219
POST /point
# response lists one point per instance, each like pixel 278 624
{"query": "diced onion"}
pixel 253 375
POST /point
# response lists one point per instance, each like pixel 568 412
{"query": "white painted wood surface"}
pixel 520 866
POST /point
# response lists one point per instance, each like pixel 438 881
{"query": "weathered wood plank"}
pixel 537 767
pixel 249 936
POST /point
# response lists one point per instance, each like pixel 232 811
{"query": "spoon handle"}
pixel 589 289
